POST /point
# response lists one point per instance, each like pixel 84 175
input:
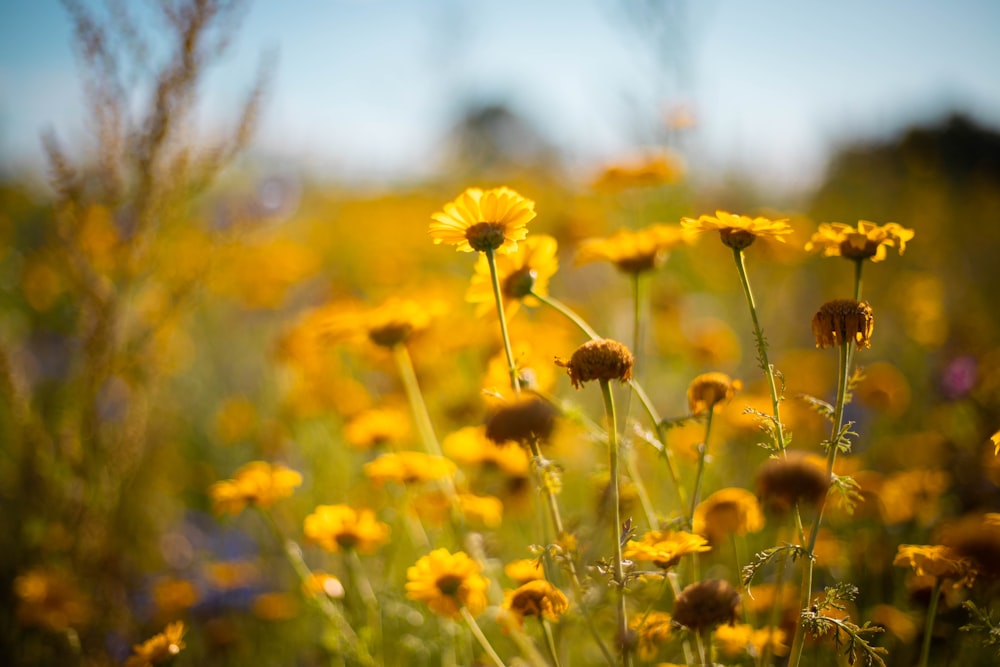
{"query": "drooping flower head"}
pixel 665 548
pixel 709 389
pixel 158 648
pixel 728 511
pixel 843 321
pixel 634 251
pixel 446 582
pixel 936 561
pixel 257 483
pixel 706 604
pixel 866 241
pixel 481 220
pixel 409 468
pixel 599 359
pixel 739 231
pixel 538 598
pixel 521 272
pixel 522 420
pixel 342 528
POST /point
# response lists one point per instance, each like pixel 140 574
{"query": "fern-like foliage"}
pixel 981 622
pixel 762 558
pixel 851 639
pixel 848 492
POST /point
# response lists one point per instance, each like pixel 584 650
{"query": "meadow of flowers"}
pixel 485 421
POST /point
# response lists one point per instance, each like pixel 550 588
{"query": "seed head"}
pixel 706 604
pixel 600 359
pixel 843 321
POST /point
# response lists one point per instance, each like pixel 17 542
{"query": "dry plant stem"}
pixel 761 349
pixel 515 383
pixel 609 409
pixel 557 524
pixel 481 638
pixel 550 641
pixel 807 568
pixel 293 553
pixel 702 453
pixel 925 646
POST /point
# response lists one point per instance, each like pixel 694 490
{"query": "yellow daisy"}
pixel 388 324
pixel 739 231
pixel 377 426
pixel 482 220
pixel 520 272
pixel 728 511
pixel 408 468
pixel 470 446
pixel 709 389
pixel 524 570
pixel 342 528
pixel 257 483
pixel 634 251
pixel 447 582
pixel 866 241
pixel 538 598
pixel 652 630
pixel 936 561
pixel 665 548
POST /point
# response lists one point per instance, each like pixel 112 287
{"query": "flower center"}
pixel 737 239
pixel 390 334
pixel 347 541
pixel 484 236
pixel 449 584
pixel 520 283
pixel 858 247
pixel 641 262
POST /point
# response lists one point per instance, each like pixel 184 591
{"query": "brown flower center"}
pixel 347 541
pixel 392 334
pixel 484 236
pixel 737 239
pixel 449 584
pixel 640 263
pixel 858 247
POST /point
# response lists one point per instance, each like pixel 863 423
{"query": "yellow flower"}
pixel 913 494
pixel 447 582
pixel 257 483
pixel 481 220
pixel 50 599
pixel 936 561
pixel 524 570
pixel 377 426
pixel 866 241
pixel 601 359
pixel 521 272
pixel 408 468
pixel 339 527
pixel 392 322
pixel 537 597
pixel 734 640
pixel 739 231
pixel 172 596
pixel 470 446
pixel 487 510
pixel 665 548
pixel 645 171
pixel 728 511
pixel 709 389
pixel 158 648
pixel 995 439
pixel 634 251
pixel 652 630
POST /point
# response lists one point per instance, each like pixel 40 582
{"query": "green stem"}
pixel 858 265
pixel 515 383
pixel 564 310
pixel 765 364
pixel 481 638
pixel 416 399
pixel 925 647
pixel 807 569
pixel 619 575
pixel 702 453
pixel 661 435
pixel 638 337
pixel 550 641
pixel 360 581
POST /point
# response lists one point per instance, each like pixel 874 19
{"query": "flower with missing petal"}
pixel 538 598
pixel 521 272
pixel 447 582
pixel 600 359
pixel 257 483
pixel 484 220
pixel 634 251
pixel 843 321
pixel 866 241
pixel 739 231
pixel 665 548
pixel 342 528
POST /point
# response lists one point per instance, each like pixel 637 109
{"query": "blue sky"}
pixel 367 88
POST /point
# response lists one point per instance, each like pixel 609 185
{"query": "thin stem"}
pixel 807 569
pixel 562 308
pixel 359 580
pixel 515 383
pixel 638 346
pixel 702 454
pixel 619 575
pixel 858 265
pixel 765 364
pixel 550 641
pixel 668 455
pixel 925 647
pixel 416 399
pixel 481 638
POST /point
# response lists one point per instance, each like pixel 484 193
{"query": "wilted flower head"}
pixel 843 321
pixel 782 483
pixel 522 420
pixel 257 483
pixel 340 527
pixel 600 359
pixel 408 468
pixel 158 648
pixel 538 598
pixel 739 231
pixel 521 272
pixel 866 241
pixel 936 561
pixel 706 604
pixel 665 547
pixel 709 389
pixel 634 251
pixel 481 220
pixel 976 537
pixel 728 511
pixel 447 582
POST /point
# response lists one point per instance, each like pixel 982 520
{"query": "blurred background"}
pixel 183 182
